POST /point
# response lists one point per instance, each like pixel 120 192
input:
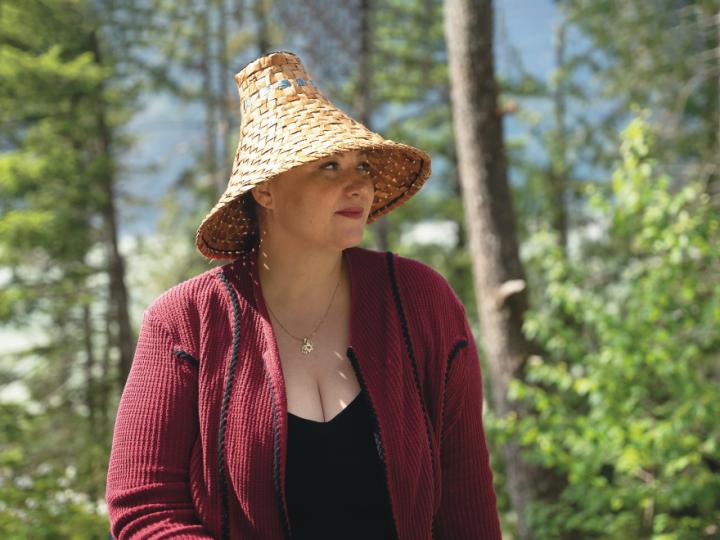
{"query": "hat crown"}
pixel 277 77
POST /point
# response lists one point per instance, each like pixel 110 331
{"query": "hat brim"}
pixel 398 171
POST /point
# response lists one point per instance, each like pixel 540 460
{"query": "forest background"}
pixel 118 123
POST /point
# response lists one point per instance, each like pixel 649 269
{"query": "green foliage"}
pixel 624 399
pixel 40 501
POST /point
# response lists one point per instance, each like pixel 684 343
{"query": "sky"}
pixel 168 131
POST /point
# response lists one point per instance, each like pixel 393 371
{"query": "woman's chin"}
pixel 349 240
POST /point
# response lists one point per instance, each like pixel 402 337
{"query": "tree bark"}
pixel 209 101
pixel 124 339
pixel 363 97
pixel 89 367
pixel 224 102
pixel 261 19
pixel 713 188
pixel 558 175
pixel 500 285
pixel 90 396
pixel 363 100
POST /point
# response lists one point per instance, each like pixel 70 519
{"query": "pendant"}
pixel 307 346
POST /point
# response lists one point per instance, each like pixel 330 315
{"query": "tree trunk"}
pixel 206 62
pixel 713 188
pixel 261 19
pixel 124 338
pixel 90 396
pixel 224 102
pixel 105 385
pixel 558 175
pixel 498 274
pixel 363 97
pixel 89 367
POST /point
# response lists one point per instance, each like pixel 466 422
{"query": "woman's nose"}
pixel 360 183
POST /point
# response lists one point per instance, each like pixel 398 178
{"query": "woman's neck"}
pixel 294 276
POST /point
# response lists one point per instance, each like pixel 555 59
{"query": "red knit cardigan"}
pixel 199 443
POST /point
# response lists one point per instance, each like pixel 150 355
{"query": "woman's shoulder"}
pixel 420 274
pixel 417 282
pixel 427 290
pixel 190 308
pixel 382 260
pixel 183 294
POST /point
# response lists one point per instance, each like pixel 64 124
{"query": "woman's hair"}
pixel 255 214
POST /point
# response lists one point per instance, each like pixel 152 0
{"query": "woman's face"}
pixel 324 203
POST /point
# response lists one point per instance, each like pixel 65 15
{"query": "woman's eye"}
pixel 333 165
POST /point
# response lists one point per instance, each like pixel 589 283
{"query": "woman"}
pixel 308 388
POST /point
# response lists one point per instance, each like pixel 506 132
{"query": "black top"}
pixel 335 481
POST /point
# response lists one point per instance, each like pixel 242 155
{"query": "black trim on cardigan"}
pixel 457 347
pixel 459 344
pixel 276 463
pixel 408 346
pixel 376 430
pixel 225 513
pixel 187 356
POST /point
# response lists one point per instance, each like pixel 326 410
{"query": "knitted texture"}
pixel 199 447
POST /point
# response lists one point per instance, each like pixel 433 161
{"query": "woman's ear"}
pixel 262 195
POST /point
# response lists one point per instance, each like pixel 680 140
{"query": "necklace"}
pixel 307 345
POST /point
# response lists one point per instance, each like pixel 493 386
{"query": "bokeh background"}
pixel 118 124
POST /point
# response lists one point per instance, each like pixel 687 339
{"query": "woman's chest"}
pixel 319 384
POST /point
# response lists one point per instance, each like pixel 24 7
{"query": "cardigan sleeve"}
pixel 147 492
pixel 468 507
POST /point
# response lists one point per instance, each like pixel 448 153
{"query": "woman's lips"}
pixel 353 213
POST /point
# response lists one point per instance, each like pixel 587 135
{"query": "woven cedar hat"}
pixel 286 121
